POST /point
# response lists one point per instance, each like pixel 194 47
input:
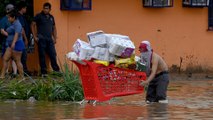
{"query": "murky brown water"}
pixel 191 100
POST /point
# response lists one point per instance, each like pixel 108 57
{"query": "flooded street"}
pixel 191 99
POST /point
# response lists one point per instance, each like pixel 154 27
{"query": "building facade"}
pixel 180 34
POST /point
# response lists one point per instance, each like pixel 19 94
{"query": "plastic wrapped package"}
pixel 72 56
pixel 97 38
pixel 101 54
pixel 125 62
pixel 121 47
pixel 105 63
pixel 117 36
pixel 83 50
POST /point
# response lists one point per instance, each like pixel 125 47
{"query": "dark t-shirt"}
pixel 4 24
pixel 24 24
pixel 45 24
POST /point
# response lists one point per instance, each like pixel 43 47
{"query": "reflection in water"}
pixel 113 112
pixel 38 110
pixel 187 100
pixel 157 111
pixel 127 112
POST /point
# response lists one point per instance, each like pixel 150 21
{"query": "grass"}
pixel 64 86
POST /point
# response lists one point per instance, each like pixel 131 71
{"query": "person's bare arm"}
pixel 34 31
pixel 15 38
pixel 3 32
pixel 25 37
pixel 153 70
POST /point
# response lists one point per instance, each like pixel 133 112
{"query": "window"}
pixel 195 3
pixel 75 4
pixel 210 18
pixel 157 3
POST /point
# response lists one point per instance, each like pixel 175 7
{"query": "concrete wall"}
pixel 173 32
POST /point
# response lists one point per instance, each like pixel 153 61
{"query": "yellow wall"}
pixel 173 32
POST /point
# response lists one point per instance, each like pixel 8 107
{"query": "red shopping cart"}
pixel 101 83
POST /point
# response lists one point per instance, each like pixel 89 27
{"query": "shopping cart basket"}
pixel 101 83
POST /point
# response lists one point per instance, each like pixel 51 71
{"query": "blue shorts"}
pixel 19 46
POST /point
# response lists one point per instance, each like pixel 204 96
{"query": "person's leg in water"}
pixel 161 90
pixel 151 92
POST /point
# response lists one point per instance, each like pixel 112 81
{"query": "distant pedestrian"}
pixel 45 34
pixel 4 24
pixel 14 44
pixel 22 9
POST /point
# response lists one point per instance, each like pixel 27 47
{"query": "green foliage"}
pixel 15 89
pixel 64 87
pixel 72 84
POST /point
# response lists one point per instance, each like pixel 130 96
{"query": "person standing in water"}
pixel 157 74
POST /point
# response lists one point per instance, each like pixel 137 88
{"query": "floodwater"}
pixel 191 100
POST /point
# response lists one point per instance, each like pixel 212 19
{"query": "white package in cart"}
pixel 101 54
pixel 83 49
pixel 72 56
pixel 97 38
pixel 117 36
pixel 120 46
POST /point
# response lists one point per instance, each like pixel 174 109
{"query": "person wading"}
pixel 157 74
